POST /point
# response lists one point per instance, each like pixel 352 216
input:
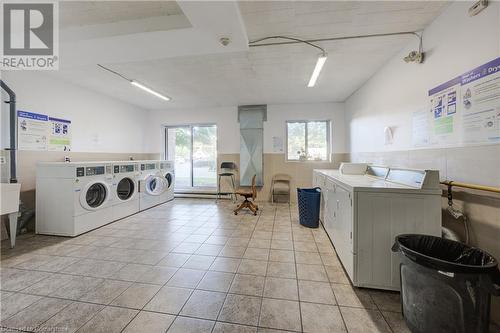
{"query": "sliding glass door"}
pixel 193 148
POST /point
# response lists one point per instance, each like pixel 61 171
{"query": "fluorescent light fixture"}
pixel 317 70
pixel 149 90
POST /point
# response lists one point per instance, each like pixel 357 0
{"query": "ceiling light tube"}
pixel 317 69
pixel 149 90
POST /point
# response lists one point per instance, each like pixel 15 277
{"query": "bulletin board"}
pixel 39 132
pixel 462 111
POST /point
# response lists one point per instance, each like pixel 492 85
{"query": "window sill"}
pixel 308 161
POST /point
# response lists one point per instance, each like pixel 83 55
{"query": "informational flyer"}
pixel 40 132
pixel 462 111
pixel 59 134
pixel 481 103
pixel 32 131
pixel 443 109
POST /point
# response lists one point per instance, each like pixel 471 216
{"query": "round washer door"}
pixel 94 195
pixel 125 189
pixel 155 185
pixel 169 179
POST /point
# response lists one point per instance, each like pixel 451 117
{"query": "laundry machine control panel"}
pixel 94 171
pixel 124 168
pixel 148 166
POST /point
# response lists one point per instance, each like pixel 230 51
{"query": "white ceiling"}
pixel 195 70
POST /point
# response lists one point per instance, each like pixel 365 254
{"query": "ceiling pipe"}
pixel 329 39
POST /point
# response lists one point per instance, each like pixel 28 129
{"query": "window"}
pixel 193 148
pixel 308 140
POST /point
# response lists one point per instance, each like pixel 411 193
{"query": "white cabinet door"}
pixel 343 229
pixel 330 208
pixel 319 181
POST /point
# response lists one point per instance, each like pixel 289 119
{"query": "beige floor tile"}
pixel 106 292
pixel 281 288
pixel 57 264
pixel 238 241
pixel 305 246
pixel 199 262
pixel 131 272
pixel 15 303
pixel 17 279
pixel 259 243
pixel 203 304
pixel 35 314
pixel 209 249
pixel 136 296
pixel 174 260
pixel 187 248
pixel 186 278
pixel 316 292
pixel 256 254
pixel 363 320
pixel 240 309
pixel 282 270
pixel 223 264
pixel 278 244
pixel 253 267
pixel 280 314
pixel 233 328
pixel 77 287
pixel 336 274
pixel 330 259
pixel 72 317
pixel 169 300
pixel 157 275
pixel 149 322
pixel 233 251
pixel 248 285
pixel 308 258
pixel 347 295
pixel 311 272
pixel 281 256
pixel 191 325
pixel 49 285
pixel 109 320
pixel 321 318
pixel 216 281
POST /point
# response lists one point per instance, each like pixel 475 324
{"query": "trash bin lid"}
pixel 445 254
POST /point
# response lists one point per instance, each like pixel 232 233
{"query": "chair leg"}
pixel 240 207
pixel 218 190
pixel 233 195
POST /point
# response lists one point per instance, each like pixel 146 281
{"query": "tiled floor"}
pixel 189 266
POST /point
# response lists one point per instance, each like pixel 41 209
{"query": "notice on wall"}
pixel 59 134
pixel 464 110
pixel 481 103
pixel 40 132
pixel 31 131
pixel 277 144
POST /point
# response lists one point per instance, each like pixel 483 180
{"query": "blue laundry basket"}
pixel 309 201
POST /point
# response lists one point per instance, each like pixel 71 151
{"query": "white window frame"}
pixel 328 139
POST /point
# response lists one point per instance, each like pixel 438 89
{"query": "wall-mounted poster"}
pixel 60 134
pixel 464 110
pixel 40 132
pixel 31 131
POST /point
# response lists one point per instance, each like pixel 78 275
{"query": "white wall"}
pixel 226 119
pixel 99 123
pixel 454 43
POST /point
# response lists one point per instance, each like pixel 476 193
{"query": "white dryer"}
pixel 168 174
pixel 151 184
pixel 73 198
pixel 125 189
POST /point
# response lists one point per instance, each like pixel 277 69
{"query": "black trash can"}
pixel 309 201
pixel 446 286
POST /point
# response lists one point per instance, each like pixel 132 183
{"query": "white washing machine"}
pixel 168 174
pixel 125 189
pixel 151 184
pixel 73 198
